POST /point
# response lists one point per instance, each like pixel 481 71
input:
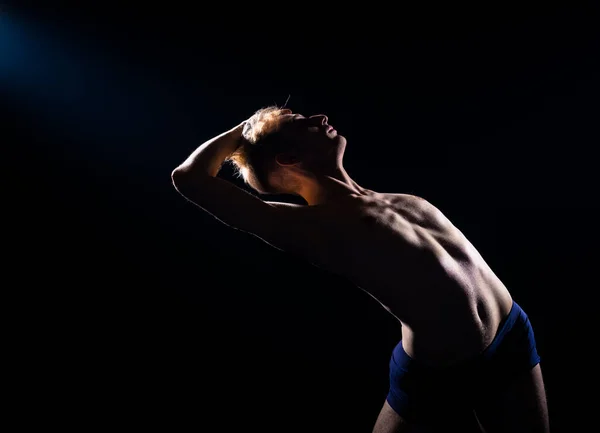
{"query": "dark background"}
pixel 136 309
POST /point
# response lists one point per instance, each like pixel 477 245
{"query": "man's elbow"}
pixel 182 178
pixel 176 172
pixel 179 178
pixel 175 176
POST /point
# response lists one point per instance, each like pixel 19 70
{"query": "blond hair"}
pixel 251 159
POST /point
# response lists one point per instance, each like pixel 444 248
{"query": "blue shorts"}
pixel 424 394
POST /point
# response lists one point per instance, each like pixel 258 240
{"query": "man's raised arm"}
pixel 196 179
pixel 208 158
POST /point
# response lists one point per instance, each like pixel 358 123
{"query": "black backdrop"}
pixel 137 309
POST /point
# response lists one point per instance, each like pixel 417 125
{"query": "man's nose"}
pixel 320 118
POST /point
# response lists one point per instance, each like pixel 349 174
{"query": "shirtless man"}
pixel 466 347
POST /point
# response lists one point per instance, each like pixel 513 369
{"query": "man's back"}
pixel 411 258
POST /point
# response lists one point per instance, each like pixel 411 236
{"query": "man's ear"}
pixel 286 159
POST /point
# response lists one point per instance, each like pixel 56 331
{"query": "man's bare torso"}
pixel 405 253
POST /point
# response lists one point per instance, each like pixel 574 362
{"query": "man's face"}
pixel 311 140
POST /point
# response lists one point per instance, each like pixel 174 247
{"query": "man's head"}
pixel 281 150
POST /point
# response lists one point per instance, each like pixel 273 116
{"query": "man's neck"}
pixel 331 187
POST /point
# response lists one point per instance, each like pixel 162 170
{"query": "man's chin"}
pixel 339 140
